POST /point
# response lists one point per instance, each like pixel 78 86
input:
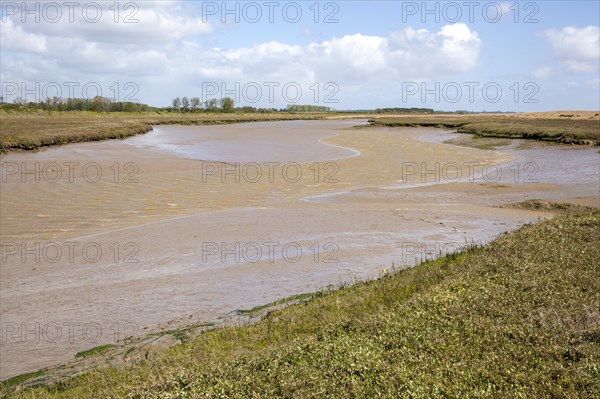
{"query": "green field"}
pixel 519 317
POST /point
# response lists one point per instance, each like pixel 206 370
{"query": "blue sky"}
pixel 504 55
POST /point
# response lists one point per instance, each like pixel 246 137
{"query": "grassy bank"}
pixel 564 130
pixel 519 317
pixel 21 130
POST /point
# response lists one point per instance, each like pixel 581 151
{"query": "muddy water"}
pixel 105 240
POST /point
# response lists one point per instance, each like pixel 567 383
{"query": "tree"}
pixel 211 105
pixel 185 104
pixel 195 103
pixel 176 104
pixel 101 104
pixel 227 104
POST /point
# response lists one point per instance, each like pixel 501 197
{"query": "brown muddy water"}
pixel 105 240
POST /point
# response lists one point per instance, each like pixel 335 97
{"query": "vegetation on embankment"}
pixel 559 130
pixel 30 130
pixel 519 317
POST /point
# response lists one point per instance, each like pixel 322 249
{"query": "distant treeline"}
pixel 227 104
pixel 194 104
pixel 404 111
pixel 308 108
pixel 96 104
pixel 183 104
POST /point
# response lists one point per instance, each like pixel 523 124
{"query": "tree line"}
pixel 96 104
pixel 404 111
pixel 183 104
pixel 194 104
pixel 307 108
pixel 227 104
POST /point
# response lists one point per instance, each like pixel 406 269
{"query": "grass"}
pixel 285 301
pixel 519 317
pixel 21 130
pixel 21 378
pixel 557 130
pixel 183 334
pixel 482 143
pixel 94 351
pixel 543 205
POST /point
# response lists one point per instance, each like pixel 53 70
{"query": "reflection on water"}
pixel 298 141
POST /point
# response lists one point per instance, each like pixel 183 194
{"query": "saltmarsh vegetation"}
pixel 511 126
pixel 519 317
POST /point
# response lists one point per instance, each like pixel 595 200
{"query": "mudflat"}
pixel 105 240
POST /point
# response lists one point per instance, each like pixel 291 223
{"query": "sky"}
pixel 465 55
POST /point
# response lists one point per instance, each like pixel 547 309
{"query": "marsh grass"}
pixel 549 206
pixel 16 381
pixel 558 130
pixel 482 143
pixel 94 351
pixel 519 317
pixel 294 299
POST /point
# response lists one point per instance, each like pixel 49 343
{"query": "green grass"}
pixel 291 299
pixel 566 131
pixel 21 378
pixel 519 317
pixel 183 334
pixel 94 351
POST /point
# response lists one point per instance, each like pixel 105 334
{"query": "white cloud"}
pixel 543 72
pixel 14 38
pixel 162 53
pixel 507 8
pixel 145 23
pixel 577 48
pixel 407 54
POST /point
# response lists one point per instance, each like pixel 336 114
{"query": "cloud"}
pixel 577 48
pixel 108 24
pixel 507 9
pixel 14 38
pixel 544 72
pixel 350 59
pixel 164 52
